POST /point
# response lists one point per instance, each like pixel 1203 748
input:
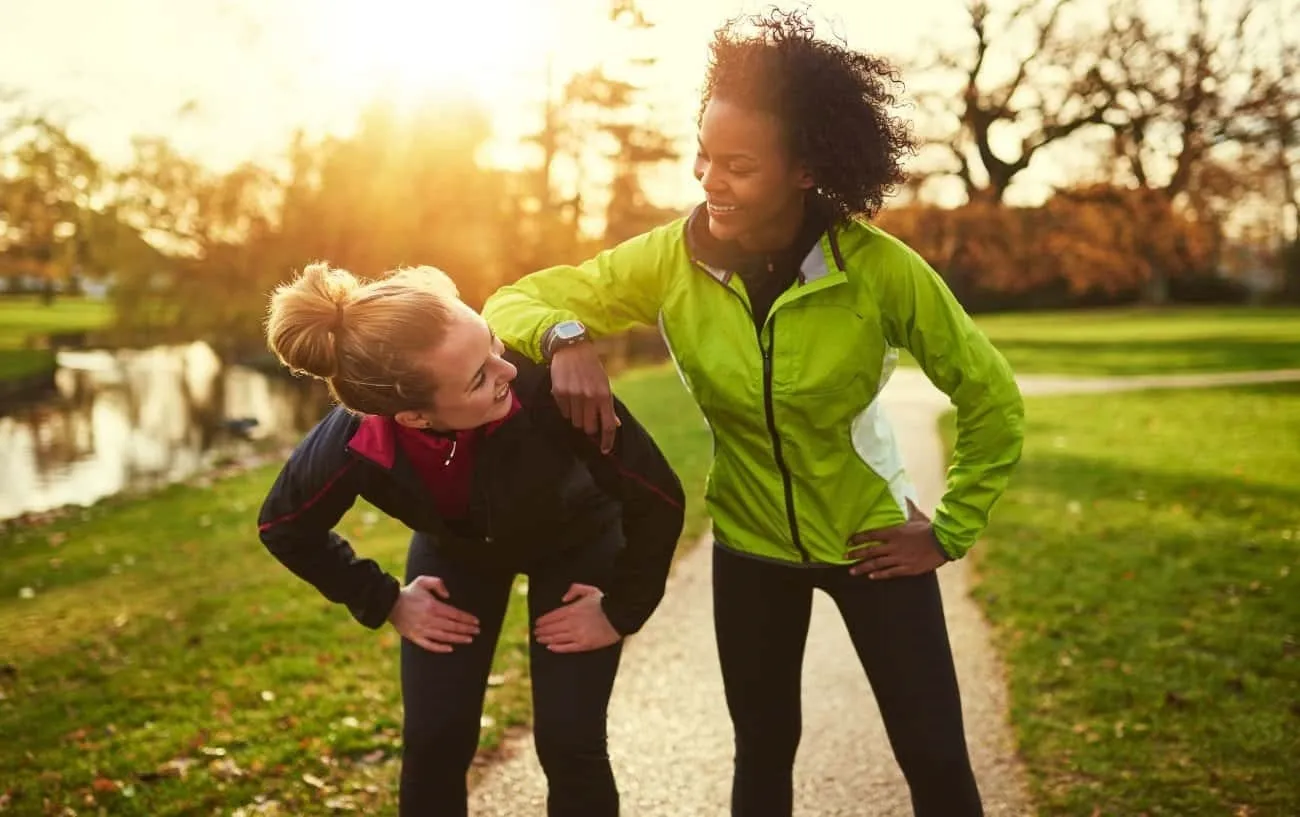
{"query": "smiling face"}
pixel 473 379
pixel 753 186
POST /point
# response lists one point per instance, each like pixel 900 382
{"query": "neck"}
pixel 779 233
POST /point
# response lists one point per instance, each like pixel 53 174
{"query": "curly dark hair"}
pixel 833 102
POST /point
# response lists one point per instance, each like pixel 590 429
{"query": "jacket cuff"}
pixel 951 546
pixel 374 609
pixel 625 622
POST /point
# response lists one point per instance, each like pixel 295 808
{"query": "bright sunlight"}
pixel 414 51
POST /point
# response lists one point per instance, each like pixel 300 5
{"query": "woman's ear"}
pixel 411 419
pixel 804 177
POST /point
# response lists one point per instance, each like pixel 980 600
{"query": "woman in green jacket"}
pixel 784 310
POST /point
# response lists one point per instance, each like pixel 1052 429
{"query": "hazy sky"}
pixel 227 80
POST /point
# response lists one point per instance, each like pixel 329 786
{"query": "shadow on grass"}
pixel 1147 614
pixel 1139 356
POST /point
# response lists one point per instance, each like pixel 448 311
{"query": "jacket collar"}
pixel 375 437
pixel 722 259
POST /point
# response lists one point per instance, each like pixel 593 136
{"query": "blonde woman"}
pixel 441 427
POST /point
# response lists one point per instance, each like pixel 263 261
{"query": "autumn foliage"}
pixel 1098 243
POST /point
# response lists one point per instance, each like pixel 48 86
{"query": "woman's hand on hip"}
pixel 580 625
pixel 581 388
pixel 909 549
pixel 423 617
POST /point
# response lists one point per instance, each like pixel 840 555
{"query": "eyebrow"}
pixel 725 157
pixel 479 375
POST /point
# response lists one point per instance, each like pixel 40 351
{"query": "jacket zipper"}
pixel 487 491
pixel 786 480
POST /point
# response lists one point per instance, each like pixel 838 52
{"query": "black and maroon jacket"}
pixel 537 487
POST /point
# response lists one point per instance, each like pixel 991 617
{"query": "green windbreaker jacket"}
pixel 803 454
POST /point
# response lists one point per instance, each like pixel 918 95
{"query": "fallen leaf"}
pixel 313 781
pixel 225 769
pixel 103 785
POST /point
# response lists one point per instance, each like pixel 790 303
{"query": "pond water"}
pixel 132 419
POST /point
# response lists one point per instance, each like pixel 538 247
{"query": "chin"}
pixel 497 411
pixel 724 231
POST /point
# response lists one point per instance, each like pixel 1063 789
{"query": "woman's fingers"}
pixel 893 572
pixel 449 637
pixel 452 625
pixel 453 614
pixel 431 645
pixel 874 559
pixel 570 645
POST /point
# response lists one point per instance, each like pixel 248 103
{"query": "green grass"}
pixel 18 364
pixel 165 664
pixel 24 317
pixel 1135 341
pixel 1141 575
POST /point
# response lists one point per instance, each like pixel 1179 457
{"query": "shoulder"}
pixel 866 247
pixel 324 447
pixel 660 249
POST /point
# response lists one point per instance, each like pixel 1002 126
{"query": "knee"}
pixel 931 762
pixel 570 745
pixel 768 746
pixel 767 731
pixel 447 740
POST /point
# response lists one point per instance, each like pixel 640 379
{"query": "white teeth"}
pixel 718 208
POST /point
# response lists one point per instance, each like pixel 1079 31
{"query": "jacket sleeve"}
pixel 921 315
pixel 620 288
pixel 308 498
pixel 653 503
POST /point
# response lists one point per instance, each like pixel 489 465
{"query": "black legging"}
pixel 761 613
pixel 443 692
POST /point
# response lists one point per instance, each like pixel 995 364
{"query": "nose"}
pixel 508 371
pixel 708 180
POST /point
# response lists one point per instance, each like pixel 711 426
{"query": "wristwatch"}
pixel 564 333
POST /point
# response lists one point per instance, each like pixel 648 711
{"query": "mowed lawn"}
pixel 23 317
pixel 155 660
pixel 1143 578
pixel 1138 341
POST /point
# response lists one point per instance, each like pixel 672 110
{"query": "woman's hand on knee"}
pixel 580 625
pixel 423 617
pixel 909 549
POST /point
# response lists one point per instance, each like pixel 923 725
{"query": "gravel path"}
pixel 670 738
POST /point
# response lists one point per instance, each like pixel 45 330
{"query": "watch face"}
pixel 568 330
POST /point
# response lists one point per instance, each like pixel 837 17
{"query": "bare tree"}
pixel 1039 93
pixel 1209 90
pixel 1181 91
pixel 599 121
